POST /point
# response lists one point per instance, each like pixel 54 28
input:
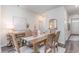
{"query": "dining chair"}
pixel 26 47
pixel 28 33
pixel 9 39
pixel 16 46
pixel 55 41
pixel 22 42
pixel 48 47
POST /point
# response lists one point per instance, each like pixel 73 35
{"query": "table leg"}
pixel 34 48
pixel 15 43
pixel 45 46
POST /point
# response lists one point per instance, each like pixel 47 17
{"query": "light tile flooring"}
pixel 41 50
pixel 73 45
pixel 25 49
pixel 74 38
pixel 29 50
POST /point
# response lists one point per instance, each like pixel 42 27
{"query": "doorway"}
pixel 75 26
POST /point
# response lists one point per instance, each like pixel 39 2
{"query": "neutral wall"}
pixel 67 20
pixel 0 28
pixel 42 19
pixel 8 12
pixel 58 14
pixel 61 16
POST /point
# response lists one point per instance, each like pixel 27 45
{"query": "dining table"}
pixel 35 40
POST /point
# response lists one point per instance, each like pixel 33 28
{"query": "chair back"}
pixel 49 41
pixel 28 33
pixel 57 36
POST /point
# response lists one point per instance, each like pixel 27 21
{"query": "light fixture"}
pixel 41 18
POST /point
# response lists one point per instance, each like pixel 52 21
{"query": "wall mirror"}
pixel 52 24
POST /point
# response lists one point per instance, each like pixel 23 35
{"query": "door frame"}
pixel 71 26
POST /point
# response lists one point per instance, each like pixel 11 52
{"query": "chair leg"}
pixel 57 48
pixel 51 49
pixel 54 47
pixel 45 49
pixel 45 46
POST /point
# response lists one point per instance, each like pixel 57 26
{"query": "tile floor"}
pixel 73 45
pixel 25 49
pixel 74 38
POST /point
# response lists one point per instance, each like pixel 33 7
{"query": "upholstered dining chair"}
pixel 18 48
pixel 48 47
pixel 55 41
pixel 28 33
pixel 22 42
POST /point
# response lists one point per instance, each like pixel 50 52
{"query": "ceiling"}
pixel 72 9
pixel 43 8
pixel 39 8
